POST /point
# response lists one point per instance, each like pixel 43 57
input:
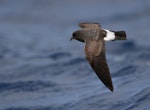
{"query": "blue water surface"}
pixel 40 69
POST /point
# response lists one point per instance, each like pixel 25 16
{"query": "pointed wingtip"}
pixel 111 89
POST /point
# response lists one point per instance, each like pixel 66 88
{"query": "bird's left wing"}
pixel 95 54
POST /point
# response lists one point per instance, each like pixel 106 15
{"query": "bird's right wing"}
pixel 90 25
pixel 95 54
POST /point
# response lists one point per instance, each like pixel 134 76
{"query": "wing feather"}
pixel 95 54
pixel 90 25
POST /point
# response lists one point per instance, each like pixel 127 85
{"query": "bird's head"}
pixel 78 35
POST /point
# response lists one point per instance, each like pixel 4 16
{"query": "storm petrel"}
pixel 94 37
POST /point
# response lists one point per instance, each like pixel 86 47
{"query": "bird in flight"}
pixel 94 37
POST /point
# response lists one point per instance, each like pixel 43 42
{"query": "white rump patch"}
pixel 109 35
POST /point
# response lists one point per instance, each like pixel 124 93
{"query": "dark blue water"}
pixel 40 69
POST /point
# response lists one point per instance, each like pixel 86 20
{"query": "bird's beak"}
pixel 71 38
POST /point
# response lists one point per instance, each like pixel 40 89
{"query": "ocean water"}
pixel 40 69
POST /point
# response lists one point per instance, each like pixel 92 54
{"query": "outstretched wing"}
pixel 90 25
pixel 95 54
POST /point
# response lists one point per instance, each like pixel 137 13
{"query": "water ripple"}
pixel 25 86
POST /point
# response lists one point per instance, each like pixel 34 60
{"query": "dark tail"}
pixel 120 35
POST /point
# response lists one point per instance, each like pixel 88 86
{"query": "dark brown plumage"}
pixel 93 36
